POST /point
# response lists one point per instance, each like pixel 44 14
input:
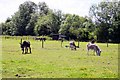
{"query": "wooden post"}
pixel 78 40
pixel 42 43
pixel 107 41
pixel 78 43
pixel 61 42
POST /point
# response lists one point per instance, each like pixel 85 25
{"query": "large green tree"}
pixel 23 21
pixel 106 15
pixel 7 27
pixel 69 26
pixel 48 24
pixel 27 11
pixel 76 27
pixel 43 9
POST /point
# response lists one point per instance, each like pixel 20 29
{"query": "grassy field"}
pixel 54 61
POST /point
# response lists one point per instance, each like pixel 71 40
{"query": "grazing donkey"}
pixel 24 46
pixel 72 45
pixel 93 47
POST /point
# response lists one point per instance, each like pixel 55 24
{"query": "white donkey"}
pixel 93 47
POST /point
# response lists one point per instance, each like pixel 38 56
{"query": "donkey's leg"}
pixel 95 52
pixel 22 50
pixel 74 47
pixel 25 50
pixel 30 49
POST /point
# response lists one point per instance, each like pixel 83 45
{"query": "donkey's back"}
pixel 26 43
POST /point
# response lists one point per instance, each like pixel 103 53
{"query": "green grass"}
pixel 54 61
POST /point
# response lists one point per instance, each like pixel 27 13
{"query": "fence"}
pixel 24 37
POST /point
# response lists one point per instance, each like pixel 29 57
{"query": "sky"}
pixel 79 7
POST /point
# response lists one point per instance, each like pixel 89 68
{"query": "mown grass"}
pixel 54 61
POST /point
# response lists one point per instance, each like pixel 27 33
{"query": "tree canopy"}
pixel 107 18
pixel 38 19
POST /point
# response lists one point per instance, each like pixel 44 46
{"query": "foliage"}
pixel 32 19
pixel 48 24
pixel 106 15
pixel 76 27
pixel 43 8
pixel 22 22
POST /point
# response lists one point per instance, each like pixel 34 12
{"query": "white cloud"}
pixel 80 7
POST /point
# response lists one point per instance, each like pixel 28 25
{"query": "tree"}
pixel 7 27
pixel 23 18
pixel 66 25
pixel 104 15
pixel 43 8
pixel 43 25
pixel 48 24
pixel 76 27
pixel 31 25
pixel 57 19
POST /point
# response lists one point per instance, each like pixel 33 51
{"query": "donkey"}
pixel 93 47
pixel 24 46
pixel 72 45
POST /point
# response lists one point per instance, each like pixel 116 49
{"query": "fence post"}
pixel 42 43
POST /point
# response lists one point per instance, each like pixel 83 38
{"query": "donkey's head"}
pixel 21 45
pixel 99 52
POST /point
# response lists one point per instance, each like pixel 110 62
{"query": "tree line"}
pixel 38 19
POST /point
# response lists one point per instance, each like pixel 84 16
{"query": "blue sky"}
pixel 79 7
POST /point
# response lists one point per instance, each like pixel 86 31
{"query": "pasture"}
pixel 54 61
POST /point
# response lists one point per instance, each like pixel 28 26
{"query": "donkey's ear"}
pixel 21 41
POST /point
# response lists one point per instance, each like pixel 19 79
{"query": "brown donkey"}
pixel 24 46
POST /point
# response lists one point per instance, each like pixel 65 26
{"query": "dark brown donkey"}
pixel 24 46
